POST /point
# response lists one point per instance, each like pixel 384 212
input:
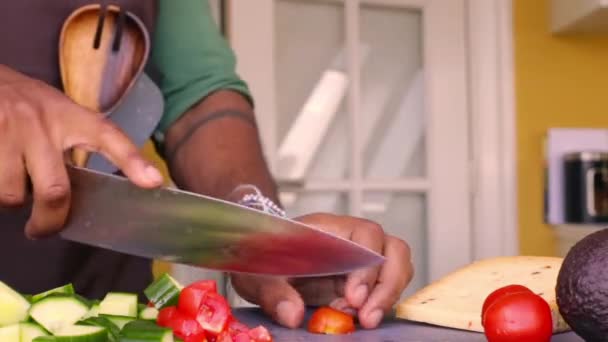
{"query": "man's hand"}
pixel 38 124
pixel 370 292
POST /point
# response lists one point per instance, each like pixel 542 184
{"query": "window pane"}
pixel 392 94
pixel 312 121
pixel 303 203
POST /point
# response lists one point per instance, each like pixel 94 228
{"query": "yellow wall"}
pixel 150 154
pixel 560 82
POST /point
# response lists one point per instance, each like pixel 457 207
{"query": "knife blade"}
pixel 108 211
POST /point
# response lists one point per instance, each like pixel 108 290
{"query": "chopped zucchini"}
pixel 29 331
pixel 112 329
pixel 58 311
pixel 65 289
pixel 13 306
pixel 93 311
pixel 119 321
pixel 145 331
pixel 119 304
pixel 10 333
pixel 80 333
pixel 149 314
pixel 164 291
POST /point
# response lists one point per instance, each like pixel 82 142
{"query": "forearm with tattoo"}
pixel 215 147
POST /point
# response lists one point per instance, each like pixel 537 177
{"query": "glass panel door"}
pixel 317 142
pixel 355 95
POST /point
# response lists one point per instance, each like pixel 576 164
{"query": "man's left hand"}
pixel 370 292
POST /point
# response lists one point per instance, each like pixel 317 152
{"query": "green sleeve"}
pixel 191 57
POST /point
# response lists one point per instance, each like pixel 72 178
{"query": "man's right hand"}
pixel 38 124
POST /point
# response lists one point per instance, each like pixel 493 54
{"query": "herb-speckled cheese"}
pixel 455 301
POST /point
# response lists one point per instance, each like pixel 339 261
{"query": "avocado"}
pixel 582 287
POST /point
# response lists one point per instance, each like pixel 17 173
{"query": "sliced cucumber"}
pixel 93 311
pixel 29 331
pixel 58 311
pixel 149 314
pixel 119 321
pixel 112 329
pixel 145 331
pixel 81 333
pixel 119 304
pixel 65 289
pixel 10 333
pixel 164 291
pixel 13 306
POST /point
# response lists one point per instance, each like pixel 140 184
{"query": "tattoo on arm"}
pixel 170 155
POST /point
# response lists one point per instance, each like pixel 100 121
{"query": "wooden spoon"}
pixel 102 52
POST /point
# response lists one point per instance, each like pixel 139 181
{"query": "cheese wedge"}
pixel 455 301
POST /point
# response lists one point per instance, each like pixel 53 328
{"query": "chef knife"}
pixel 108 211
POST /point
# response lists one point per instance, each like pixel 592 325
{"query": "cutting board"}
pixel 391 330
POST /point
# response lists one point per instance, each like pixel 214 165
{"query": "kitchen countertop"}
pixel 392 330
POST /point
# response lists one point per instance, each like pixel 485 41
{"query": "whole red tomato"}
pixel 503 291
pixel 518 317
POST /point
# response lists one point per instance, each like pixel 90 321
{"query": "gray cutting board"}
pixel 392 330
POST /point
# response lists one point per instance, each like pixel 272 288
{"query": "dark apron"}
pixel 29 35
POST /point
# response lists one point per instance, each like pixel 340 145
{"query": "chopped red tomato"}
pixel 213 313
pixel 327 320
pixel 224 337
pixel 260 334
pixel 242 337
pixel 235 327
pixel 200 337
pixel 204 315
pixel 190 300
pixel 165 315
pixel 191 296
pixel 182 325
pixel 187 328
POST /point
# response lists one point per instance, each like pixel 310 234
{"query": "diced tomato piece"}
pixel 165 316
pixel 327 320
pixel 182 325
pixel 204 285
pixel 200 337
pixel 189 327
pixel 235 327
pixel 190 301
pixel 214 313
pixel 241 337
pixel 260 334
pixel 191 296
pixel 150 305
pixel 224 336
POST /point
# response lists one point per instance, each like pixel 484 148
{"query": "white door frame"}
pixel 492 104
pixel 491 227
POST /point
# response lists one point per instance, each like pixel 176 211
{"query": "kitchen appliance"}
pixel 586 187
